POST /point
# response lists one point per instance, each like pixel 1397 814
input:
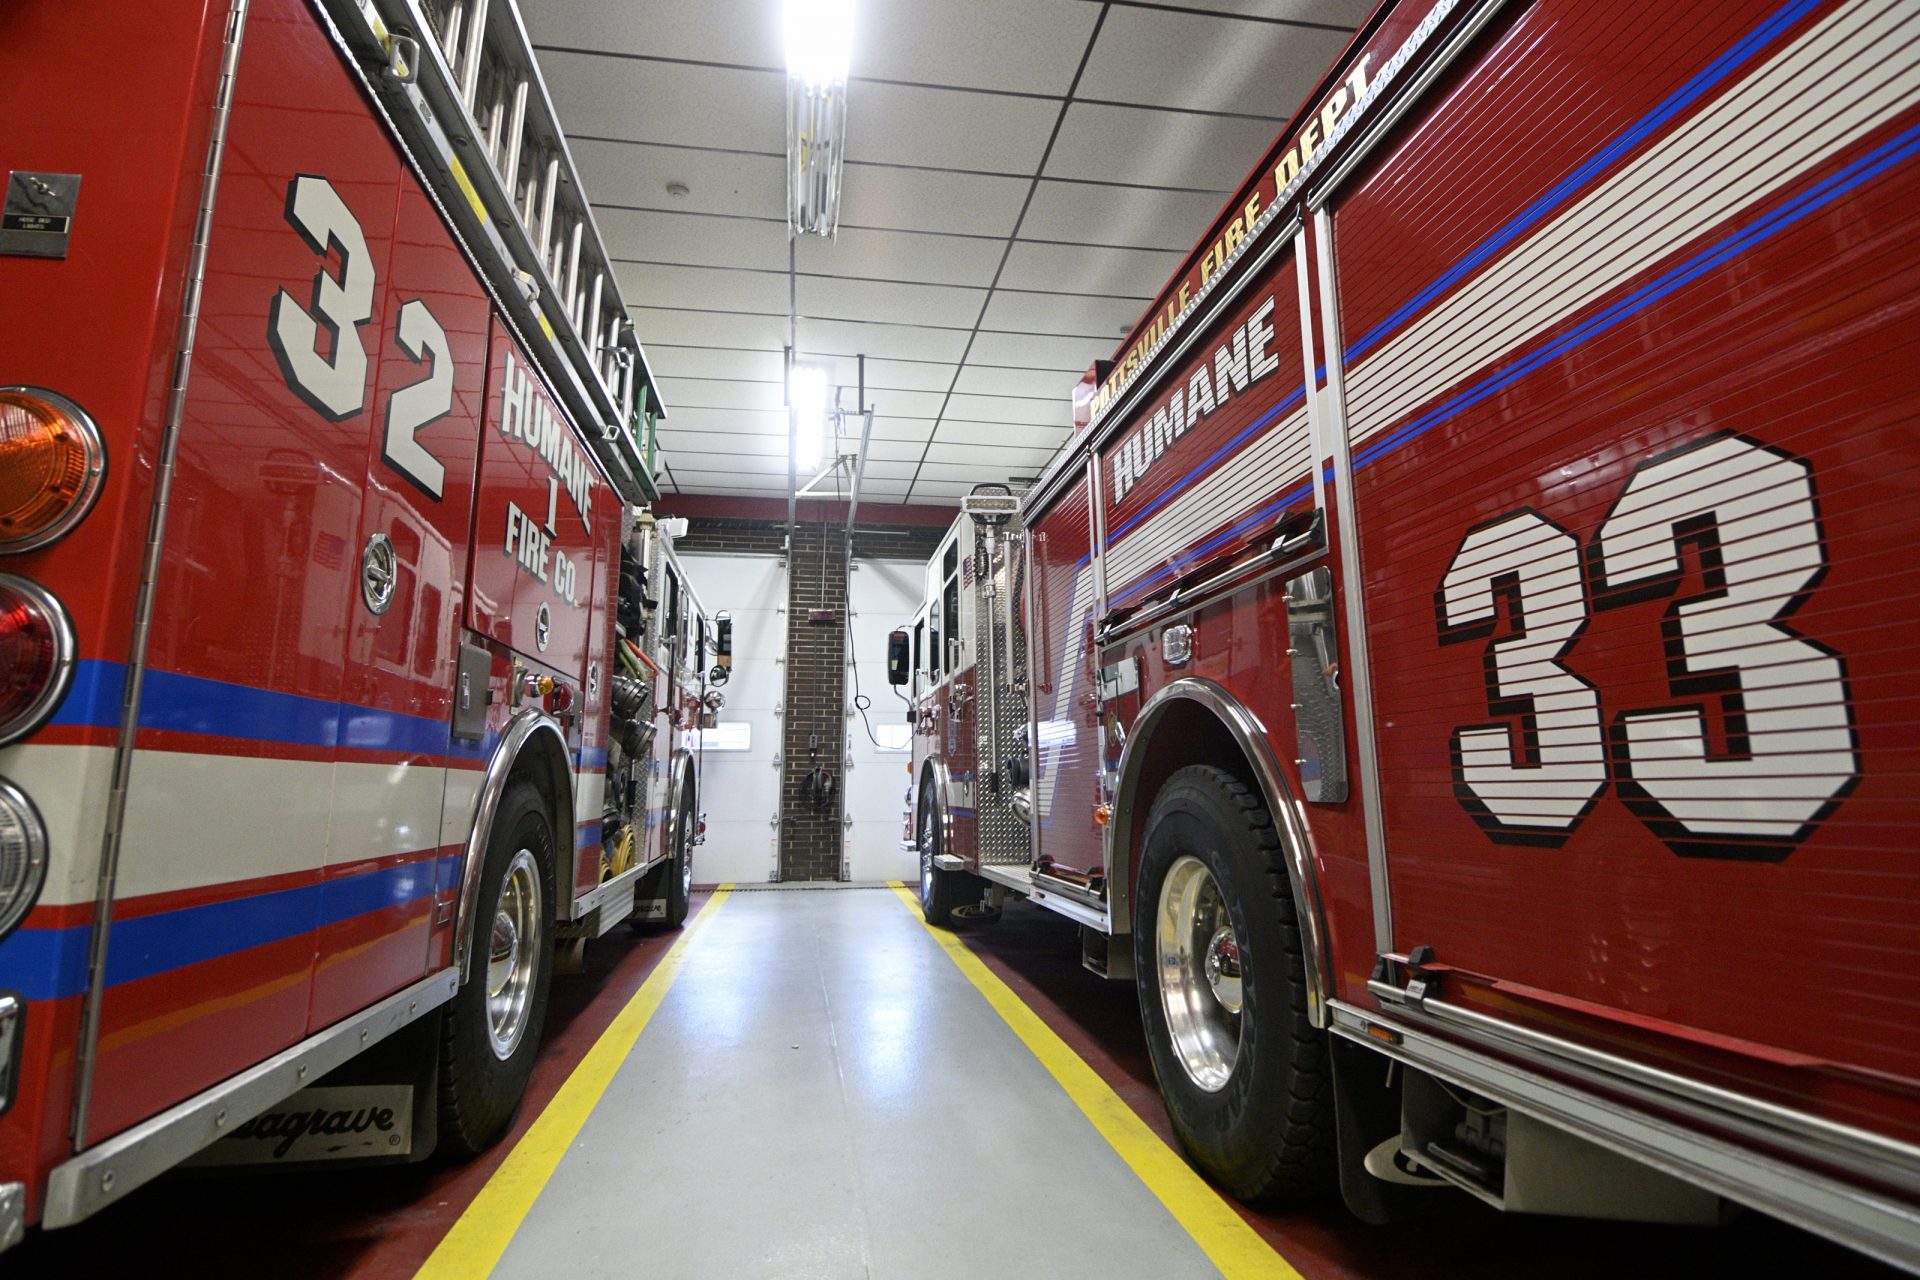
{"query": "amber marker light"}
pixel 51 464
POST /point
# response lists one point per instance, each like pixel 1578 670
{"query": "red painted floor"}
pixel 368 1224
pixel 381 1224
pixel 1037 954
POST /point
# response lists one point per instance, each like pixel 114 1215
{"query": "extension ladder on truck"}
pixel 458 80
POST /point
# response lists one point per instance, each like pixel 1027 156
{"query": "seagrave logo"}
pixel 284 1128
pixel 330 1123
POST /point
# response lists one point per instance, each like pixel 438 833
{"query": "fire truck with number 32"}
pixel 1462 668
pixel 346 686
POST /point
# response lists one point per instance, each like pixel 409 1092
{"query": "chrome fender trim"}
pixel 1288 819
pixel 680 777
pixel 103 1173
pixel 936 766
pixel 522 728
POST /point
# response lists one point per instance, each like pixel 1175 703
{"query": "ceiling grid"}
pixel 1021 176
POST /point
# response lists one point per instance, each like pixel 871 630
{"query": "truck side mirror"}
pixel 899 658
pixel 723 639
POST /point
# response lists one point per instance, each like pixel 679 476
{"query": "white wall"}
pixel 881 595
pixel 740 790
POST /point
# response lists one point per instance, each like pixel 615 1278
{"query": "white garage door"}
pixel 740 788
pixel 881 595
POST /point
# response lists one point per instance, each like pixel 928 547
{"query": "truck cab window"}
pixel 950 608
pixel 933 647
pixel 672 632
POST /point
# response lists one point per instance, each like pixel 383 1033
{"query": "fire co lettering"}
pixel 532 546
pixel 1307 142
pixel 1239 362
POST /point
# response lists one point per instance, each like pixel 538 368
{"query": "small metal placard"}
pixel 1314 649
pixel 475 666
pixel 340 1122
pixel 37 217
pixel 1120 679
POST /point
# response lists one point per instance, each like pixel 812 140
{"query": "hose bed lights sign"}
pixel 37 216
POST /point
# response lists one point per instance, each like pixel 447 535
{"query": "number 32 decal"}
pixel 1788 755
pixel 335 385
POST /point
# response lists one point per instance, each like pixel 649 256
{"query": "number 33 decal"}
pixel 1749 512
pixel 335 385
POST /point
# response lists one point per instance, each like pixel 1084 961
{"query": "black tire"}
pixel 480 1089
pixel 671 880
pixel 679 868
pixel 940 890
pixel 1267 1132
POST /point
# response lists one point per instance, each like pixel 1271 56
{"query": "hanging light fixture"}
pixel 819 37
pixel 807 402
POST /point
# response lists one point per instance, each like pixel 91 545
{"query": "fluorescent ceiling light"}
pixel 807 402
pixel 819 35
pixel 819 41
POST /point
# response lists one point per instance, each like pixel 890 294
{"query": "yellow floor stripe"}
pixel 1223 1234
pixel 483 1232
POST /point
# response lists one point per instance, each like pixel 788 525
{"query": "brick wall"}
pixel 815 699
pixel 746 537
pixel 768 537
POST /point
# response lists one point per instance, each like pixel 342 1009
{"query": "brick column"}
pixel 810 837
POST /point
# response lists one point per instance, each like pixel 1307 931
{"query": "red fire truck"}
pixel 345 679
pixel 1464 669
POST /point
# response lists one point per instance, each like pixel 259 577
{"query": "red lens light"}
pixel 36 656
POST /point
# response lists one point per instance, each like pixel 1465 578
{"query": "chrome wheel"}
pixel 926 852
pixel 1200 973
pixel 513 958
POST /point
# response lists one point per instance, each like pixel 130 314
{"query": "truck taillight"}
pixel 36 656
pixel 51 463
pixel 23 857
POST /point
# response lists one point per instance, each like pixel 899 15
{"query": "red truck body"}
pixel 1513 491
pixel 351 577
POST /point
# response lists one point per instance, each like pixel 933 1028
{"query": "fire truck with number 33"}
pixel 1462 668
pixel 346 686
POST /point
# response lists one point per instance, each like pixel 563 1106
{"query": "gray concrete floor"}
pixel 824 1094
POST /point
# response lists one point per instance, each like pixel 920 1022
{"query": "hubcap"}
pixel 1200 973
pixel 1223 969
pixel 926 853
pixel 512 955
